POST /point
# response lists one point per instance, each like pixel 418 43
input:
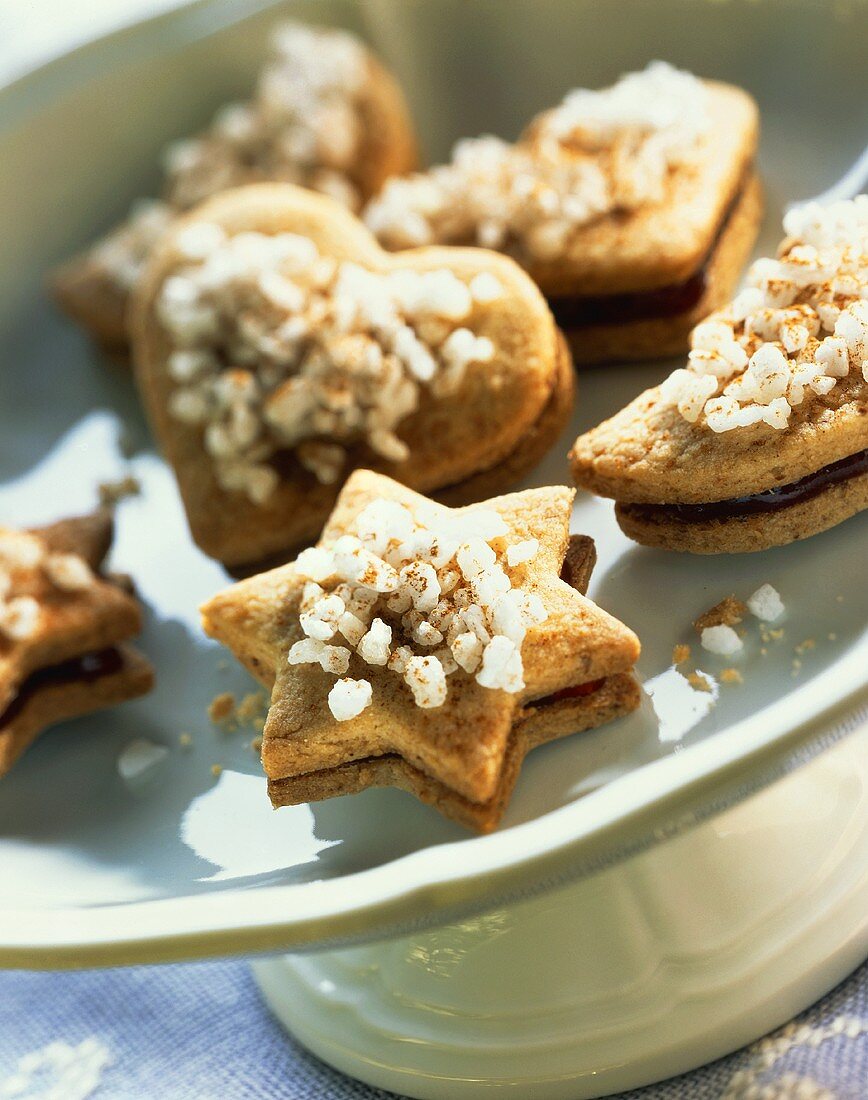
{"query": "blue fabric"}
pixel 201 1031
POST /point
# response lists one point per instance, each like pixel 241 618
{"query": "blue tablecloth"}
pixel 201 1031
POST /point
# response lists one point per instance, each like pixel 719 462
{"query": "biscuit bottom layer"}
pixel 584 311
pixel 86 669
pixel 589 706
pixel 771 500
pixel 574 693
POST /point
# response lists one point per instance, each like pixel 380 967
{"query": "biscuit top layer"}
pixel 426 595
pixel 303 125
pixel 598 154
pixel 799 327
pixel 29 572
pixel 278 347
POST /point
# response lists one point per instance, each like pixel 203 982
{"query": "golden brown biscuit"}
pixel 441 366
pixel 62 629
pixel 634 208
pixel 764 438
pixel 325 114
pixel 436 673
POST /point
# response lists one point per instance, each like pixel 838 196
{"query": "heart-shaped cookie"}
pixel 278 347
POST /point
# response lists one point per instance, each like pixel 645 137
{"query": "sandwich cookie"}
pixel 63 631
pixel 763 438
pixel 278 348
pixel 427 648
pixel 634 208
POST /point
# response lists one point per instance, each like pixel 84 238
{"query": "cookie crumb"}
pixel 252 709
pixel 726 613
pixel 721 639
pixel 833 637
pixel 216 769
pixel 185 740
pixel 139 757
pixel 112 492
pixel 680 654
pixel 766 604
pixel 700 682
pixel 256 744
pixel 731 676
pixel 776 635
pixel 804 646
pixel 221 709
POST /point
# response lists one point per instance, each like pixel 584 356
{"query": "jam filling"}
pixel 645 305
pixel 578 311
pixel 772 500
pixel 577 691
pixel 86 669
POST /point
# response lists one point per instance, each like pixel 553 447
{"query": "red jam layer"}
pixel 577 691
pixel 772 500
pixel 86 669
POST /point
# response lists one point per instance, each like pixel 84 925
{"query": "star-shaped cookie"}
pixel 454 735
pixel 63 629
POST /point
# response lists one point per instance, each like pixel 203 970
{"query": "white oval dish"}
pixel 182 864
pixel 657 964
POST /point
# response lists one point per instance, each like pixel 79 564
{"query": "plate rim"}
pixel 433 885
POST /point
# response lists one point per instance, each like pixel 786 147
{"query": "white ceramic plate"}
pixel 93 870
